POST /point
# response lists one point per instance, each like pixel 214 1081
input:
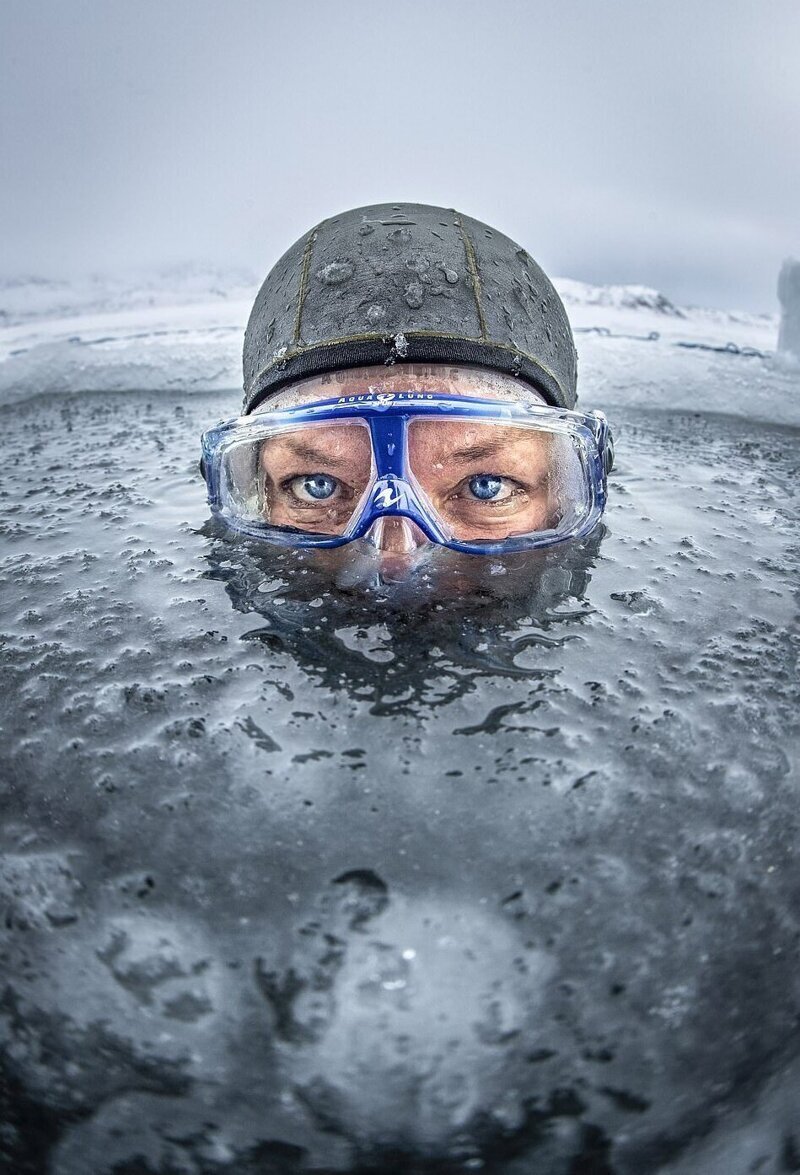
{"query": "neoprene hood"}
pixel 395 283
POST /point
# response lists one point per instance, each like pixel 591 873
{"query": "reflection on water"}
pixel 491 870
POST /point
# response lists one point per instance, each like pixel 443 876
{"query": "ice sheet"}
pixel 183 331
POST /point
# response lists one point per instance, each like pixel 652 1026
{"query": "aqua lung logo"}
pixel 385 497
pixel 385 398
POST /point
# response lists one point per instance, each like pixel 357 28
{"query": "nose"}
pixel 396 536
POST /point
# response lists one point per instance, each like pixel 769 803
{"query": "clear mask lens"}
pixel 314 478
pixel 487 481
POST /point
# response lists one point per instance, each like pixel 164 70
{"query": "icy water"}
pixel 498 874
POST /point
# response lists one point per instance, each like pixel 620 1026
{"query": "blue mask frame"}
pixel 394 492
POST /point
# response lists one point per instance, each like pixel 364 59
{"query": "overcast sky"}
pixel 618 140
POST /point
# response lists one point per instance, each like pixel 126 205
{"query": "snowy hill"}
pixel 575 293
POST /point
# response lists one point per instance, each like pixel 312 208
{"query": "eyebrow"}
pixel 476 452
pixel 508 439
pixel 306 452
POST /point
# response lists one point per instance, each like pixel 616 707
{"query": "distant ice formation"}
pixel 789 295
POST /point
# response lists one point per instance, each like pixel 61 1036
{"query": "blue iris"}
pixel 319 485
pixel 485 486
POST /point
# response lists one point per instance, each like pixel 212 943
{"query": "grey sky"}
pixel 618 140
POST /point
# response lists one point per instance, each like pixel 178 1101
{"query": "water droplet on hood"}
pixel 400 237
pixel 415 295
pixel 336 273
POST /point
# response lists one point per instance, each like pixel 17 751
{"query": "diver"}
pixel 410 382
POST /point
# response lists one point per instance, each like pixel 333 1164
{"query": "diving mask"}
pixel 480 476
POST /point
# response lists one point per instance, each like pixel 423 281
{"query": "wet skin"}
pixel 485 481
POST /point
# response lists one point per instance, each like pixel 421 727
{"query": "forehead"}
pixel 451 379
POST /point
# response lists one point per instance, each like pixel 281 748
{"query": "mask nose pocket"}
pixel 396 535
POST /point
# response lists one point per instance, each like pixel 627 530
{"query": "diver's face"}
pixel 485 482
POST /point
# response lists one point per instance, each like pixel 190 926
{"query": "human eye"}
pixel 314 488
pixel 480 491
pixel 489 487
pixel 493 506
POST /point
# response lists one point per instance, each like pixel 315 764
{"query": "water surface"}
pixel 491 872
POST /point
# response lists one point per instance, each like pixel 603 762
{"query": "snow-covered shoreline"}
pixel 182 330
